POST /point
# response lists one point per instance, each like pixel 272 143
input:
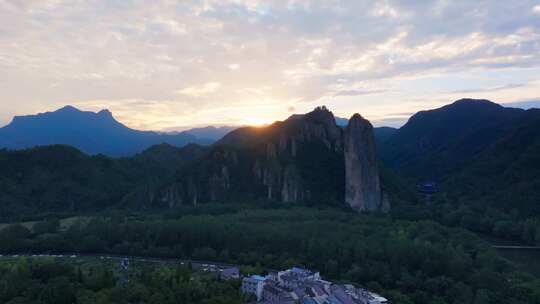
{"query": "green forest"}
pixel 406 261
pixel 90 281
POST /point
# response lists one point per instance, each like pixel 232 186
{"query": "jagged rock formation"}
pixel 362 183
pixel 301 159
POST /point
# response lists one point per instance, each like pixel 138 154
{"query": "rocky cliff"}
pixel 362 183
pixel 306 158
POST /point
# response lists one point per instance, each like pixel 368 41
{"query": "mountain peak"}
pixel 357 122
pixel 105 113
pixel 68 109
pixel 321 115
pixel 322 108
pixel 356 116
pixel 322 111
pixel 474 102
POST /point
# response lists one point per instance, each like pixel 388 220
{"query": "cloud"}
pixel 202 90
pixel 490 89
pixel 198 56
pixel 524 104
pixel 233 66
pixel 358 92
pixel 384 9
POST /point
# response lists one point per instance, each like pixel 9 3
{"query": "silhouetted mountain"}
pixel 485 157
pixel 210 133
pixel 435 142
pixel 306 158
pixel 92 133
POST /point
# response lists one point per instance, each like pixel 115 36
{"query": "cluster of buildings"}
pixel 302 286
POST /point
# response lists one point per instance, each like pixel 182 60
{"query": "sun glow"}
pixel 258 122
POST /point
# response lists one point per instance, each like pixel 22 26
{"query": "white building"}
pixel 302 286
pixel 294 277
pixel 253 285
pixel 377 299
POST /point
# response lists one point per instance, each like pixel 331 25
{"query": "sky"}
pixel 173 64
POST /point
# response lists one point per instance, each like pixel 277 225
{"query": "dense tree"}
pixel 46 281
pixel 419 262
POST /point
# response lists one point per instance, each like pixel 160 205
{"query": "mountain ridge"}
pixel 91 132
pixel 432 142
pixel 483 156
pixel 88 131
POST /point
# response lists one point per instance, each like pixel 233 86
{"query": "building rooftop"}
pixel 306 287
pixel 301 271
pixel 258 278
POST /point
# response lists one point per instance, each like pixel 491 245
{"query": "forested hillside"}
pixel 485 159
pixel 408 262
pixel 507 174
pixel 436 142
pixel 62 179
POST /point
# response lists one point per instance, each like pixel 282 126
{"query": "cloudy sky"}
pixel 167 65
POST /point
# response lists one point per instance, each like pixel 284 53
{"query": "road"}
pixel 196 264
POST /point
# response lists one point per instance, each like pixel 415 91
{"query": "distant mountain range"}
pixel 100 133
pixel 92 133
pixel 210 133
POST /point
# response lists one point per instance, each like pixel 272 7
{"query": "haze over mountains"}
pixel 100 133
pixel 210 133
pixel 90 132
